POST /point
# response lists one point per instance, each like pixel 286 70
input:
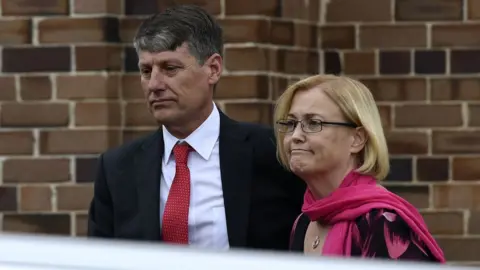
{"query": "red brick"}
pixel 131 89
pixel 433 169
pixel 456 35
pixel 278 85
pixel 97 6
pixel 35 88
pixel 78 30
pixel 464 61
pixel 74 198
pixel 36 170
pixel 16 143
pixel 137 114
pixel 388 89
pixel 251 7
pixel 86 169
pixel 358 11
pixel 455 142
pixel 250 112
pixel 304 10
pixel 460 248
pixel 356 63
pixel 49 224
pixel 8 199
pixel 14 32
pixel 282 32
pixel 393 36
pixel 35 198
pixel 64 142
pixel 130 134
pixel 456 196
pixel 474 115
pixel 466 168
pixel 444 222
pixel 473 9
pixel 246 30
pixel 455 89
pixel 34 115
pixel 47 59
pixel 7 84
pixel 211 6
pixel 87 87
pixel 417 195
pixel 385 115
pixel 97 58
pixel 98 114
pixel 81 221
pixel 232 87
pixel 430 10
pixel 405 143
pixel 248 58
pixel 34 7
pixel 432 115
pixel 474 222
pixel 306 35
pixel 306 62
pixel 337 37
pixel 128 28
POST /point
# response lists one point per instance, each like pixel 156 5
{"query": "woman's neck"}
pixel 322 184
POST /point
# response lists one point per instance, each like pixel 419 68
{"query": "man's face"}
pixel 176 87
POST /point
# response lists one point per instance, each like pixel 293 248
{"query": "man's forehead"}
pixel 180 54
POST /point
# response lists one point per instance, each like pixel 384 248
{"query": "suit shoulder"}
pixel 262 138
pixel 259 131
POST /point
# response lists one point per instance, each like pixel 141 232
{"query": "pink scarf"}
pixel 357 195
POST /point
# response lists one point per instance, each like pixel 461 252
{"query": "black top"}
pixel 378 234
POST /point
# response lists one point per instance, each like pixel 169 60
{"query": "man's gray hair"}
pixel 177 25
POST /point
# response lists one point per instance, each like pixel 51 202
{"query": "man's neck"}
pixel 183 131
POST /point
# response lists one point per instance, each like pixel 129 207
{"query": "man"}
pixel 202 179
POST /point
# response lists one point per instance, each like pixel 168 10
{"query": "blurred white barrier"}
pixel 25 252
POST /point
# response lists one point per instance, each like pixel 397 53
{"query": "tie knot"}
pixel 181 151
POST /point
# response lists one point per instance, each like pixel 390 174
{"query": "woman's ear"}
pixel 359 140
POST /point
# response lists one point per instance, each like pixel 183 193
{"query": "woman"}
pixel 329 133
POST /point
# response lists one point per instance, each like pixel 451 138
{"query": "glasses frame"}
pixel 284 122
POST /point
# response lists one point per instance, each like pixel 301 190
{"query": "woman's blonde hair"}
pixel 357 105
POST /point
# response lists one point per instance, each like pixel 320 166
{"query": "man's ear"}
pixel 214 65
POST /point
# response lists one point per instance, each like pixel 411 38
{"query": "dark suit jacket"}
pixel 261 199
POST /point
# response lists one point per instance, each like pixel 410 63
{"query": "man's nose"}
pixel 157 81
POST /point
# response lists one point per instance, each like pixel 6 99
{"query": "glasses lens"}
pixel 284 126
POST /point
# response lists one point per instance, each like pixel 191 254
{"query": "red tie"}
pixel 175 216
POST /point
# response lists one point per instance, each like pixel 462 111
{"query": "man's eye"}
pixel 171 70
pixel 145 72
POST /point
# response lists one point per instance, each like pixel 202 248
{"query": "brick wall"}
pixel 69 90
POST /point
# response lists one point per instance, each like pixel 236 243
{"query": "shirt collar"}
pixel 202 140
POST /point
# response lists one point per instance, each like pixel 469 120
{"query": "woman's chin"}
pixel 300 168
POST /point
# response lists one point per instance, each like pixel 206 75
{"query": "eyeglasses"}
pixel 308 125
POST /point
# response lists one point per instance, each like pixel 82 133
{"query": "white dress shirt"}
pixel 207 226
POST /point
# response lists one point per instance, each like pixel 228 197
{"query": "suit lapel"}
pixel 147 172
pixel 236 172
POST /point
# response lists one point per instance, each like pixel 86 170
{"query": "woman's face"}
pixel 330 146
